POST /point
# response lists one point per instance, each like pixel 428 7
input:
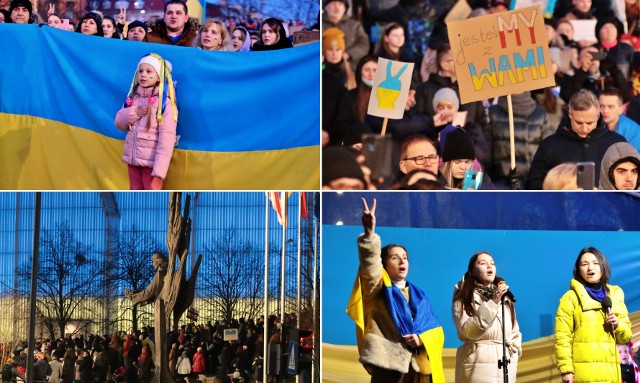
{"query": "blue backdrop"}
pixel 537 264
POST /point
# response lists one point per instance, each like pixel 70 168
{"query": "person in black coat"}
pixel 582 137
pixel 86 368
pixel 273 36
pixel 68 366
pixel 594 75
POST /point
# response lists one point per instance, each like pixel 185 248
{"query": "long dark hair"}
pixel 364 92
pixel 604 267
pixel 384 46
pixel 464 293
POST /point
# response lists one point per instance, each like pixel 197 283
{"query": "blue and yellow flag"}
pixel 422 322
pixel 247 120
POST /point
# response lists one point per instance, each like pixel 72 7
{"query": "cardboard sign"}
pixel 584 30
pixel 230 334
pixel 305 37
pixel 390 89
pixel 499 54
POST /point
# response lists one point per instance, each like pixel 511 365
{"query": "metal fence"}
pixel 96 218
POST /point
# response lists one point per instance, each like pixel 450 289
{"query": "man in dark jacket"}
pixel 583 137
pixel 175 29
pixel 86 368
pixel 355 38
pixel 594 75
pixel 42 369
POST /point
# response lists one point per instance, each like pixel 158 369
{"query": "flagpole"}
pixel 265 342
pixel 283 200
pixel 313 300
pixel 299 251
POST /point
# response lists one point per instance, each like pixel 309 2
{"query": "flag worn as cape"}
pixel 425 321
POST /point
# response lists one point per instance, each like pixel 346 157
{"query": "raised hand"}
pixel 369 219
pixel 51 10
pixel 122 16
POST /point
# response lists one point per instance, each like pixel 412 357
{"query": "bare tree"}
pixel 67 279
pixel 234 273
pixel 130 254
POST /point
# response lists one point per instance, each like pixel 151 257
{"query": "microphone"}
pixel 606 307
pixel 508 294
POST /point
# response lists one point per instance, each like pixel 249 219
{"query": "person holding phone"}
pixel 399 336
pixel 594 73
pixel 478 301
pixel 583 136
pixel 459 156
pixel 591 320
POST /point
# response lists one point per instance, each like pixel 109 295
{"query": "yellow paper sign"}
pixel 390 89
pixel 500 54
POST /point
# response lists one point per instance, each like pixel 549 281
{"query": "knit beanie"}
pixel 609 20
pixel 153 61
pixel 137 23
pixel 446 94
pixel 459 146
pixel 95 17
pixel 165 85
pixel 332 38
pixel 338 162
pixel 21 3
pixel 346 3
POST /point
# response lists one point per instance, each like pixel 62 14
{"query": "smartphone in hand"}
pixel 459 119
pixel 586 175
pixel 377 153
pixel 472 180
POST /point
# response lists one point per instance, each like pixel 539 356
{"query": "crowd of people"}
pixel 592 114
pixel 592 325
pixel 175 28
pixel 195 352
pixel 149 122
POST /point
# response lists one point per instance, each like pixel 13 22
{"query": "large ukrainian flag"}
pixel 247 120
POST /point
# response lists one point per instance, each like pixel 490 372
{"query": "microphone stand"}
pixel 503 362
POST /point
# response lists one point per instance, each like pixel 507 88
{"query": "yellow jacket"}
pixel 584 343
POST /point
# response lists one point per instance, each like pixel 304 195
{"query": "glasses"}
pixel 421 160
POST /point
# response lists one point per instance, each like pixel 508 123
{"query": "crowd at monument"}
pixel 591 115
pixel 196 352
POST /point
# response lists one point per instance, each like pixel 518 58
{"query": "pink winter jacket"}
pixel 151 148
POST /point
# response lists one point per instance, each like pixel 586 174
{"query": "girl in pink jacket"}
pixel 149 115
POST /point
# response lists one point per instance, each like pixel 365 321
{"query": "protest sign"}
pixel 584 30
pixel 500 54
pixel 390 89
pixel 230 334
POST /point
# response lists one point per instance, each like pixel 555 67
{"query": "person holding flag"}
pixel 399 336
